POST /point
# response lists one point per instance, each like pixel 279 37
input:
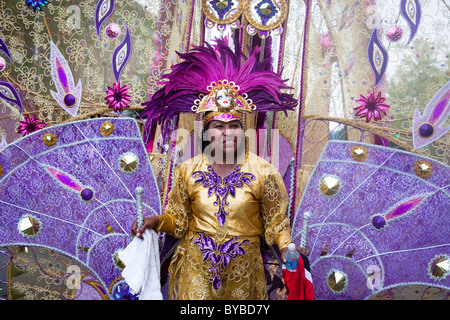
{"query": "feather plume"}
pixel 205 65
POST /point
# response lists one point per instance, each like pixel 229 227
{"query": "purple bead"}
pixel 69 100
pixel 87 194
pixel 378 222
pixel 122 292
pixel 426 130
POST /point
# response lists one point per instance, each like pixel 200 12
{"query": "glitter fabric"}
pixel 73 197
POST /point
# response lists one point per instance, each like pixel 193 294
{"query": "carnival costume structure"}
pixel 221 219
pixel 104 110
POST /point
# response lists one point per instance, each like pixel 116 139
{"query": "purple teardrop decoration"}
pixel 437 112
pixel 377 56
pixel 404 208
pixel 121 55
pixel 62 76
pixel 411 12
pixel 67 181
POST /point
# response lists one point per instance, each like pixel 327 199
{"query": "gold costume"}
pixel 220 221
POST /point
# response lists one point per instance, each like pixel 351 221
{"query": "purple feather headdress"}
pixel 189 86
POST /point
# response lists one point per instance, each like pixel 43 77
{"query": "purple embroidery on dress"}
pixel 222 188
pixel 219 255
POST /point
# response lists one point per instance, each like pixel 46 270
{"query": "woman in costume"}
pixel 223 200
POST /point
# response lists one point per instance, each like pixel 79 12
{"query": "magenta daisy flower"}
pixel 117 97
pixel 29 125
pixel 371 107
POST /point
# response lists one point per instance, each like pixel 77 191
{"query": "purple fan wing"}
pixel 76 196
pixel 376 223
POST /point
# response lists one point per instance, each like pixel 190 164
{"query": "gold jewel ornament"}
pixel 222 11
pixel 329 185
pixel 439 267
pixel 129 162
pixel 224 95
pixel 267 14
pixel 117 262
pixel 358 153
pixel 423 169
pixel 106 128
pixel 337 281
pixel 223 102
pixel 29 226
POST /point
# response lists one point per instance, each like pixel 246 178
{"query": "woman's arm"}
pixel 274 208
pixel 274 204
pixel 174 221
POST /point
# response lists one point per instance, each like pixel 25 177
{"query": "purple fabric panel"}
pixel 403 249
pixel 68 223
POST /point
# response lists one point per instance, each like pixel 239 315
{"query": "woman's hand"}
pixel 149 223
pixel 300 250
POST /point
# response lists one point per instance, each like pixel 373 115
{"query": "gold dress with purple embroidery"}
pixel 220 221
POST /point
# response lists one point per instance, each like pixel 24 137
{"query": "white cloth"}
pixel 142 266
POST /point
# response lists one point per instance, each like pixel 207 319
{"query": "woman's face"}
pixel 225 136
pixel 223 98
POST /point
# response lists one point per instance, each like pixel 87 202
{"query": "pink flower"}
pixel 117 97
pixel 371 107
pixel 29 125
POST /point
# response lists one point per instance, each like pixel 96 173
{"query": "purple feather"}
pixel 204 65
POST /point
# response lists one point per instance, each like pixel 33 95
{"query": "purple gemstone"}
pixel 122 292
pixel 426 130
pixel 378 222
pixel 69 100
pixel 87 194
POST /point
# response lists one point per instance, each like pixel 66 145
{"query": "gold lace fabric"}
pixel 256 208
pixel 190 278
